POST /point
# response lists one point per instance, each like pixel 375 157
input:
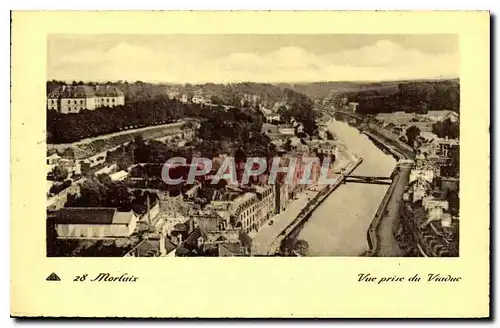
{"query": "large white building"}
pixel 72 99
pixel 94 222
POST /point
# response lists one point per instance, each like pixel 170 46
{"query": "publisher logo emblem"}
pixel 53 277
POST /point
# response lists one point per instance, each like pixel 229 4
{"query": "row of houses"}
pixel 427 214
pixel 430 213
pixel 432 116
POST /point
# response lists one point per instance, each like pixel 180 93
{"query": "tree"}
pixel 216 100
pixel 92 194
pixel 453 201
pixel 301 247
pixel 124 163
pixel 58 187
pixel 105 180
pixel 411 133
pixel 58 173
pixel 118 196
pixel 446 128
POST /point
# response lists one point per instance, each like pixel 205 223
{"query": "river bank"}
pixel 338 227
pixel 286 240
pixel 264 242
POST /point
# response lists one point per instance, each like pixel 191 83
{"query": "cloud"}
pixel 383 60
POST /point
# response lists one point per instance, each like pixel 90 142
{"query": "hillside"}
pixel 321 90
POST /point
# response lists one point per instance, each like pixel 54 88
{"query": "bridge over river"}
pixel 338 227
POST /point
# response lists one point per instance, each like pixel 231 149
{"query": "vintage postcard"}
pixel 250 164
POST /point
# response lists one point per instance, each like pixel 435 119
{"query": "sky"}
pixel 197 58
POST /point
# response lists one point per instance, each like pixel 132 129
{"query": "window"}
pixel 69 101
pixel 81 102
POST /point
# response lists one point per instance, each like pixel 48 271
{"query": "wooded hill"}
pixel 378 97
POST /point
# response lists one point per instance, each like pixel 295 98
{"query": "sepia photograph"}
pixel 252 145
pixel 245 164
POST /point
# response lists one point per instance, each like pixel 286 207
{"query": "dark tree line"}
pixel 65 128
pixel 414 97
pixel 103 192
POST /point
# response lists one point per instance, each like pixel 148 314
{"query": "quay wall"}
pixel 291 232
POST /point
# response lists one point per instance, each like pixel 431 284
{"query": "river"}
pixel 339 225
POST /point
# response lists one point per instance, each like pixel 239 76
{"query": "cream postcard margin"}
pixel 244 287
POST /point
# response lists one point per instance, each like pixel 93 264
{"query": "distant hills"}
pixel 321 90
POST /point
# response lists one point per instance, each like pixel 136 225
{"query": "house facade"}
pixel 72 99
pixel 434 207
pixel 281 196
pixel 244 208
pixel 266 204
pixel 427 175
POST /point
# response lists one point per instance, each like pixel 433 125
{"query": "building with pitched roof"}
pixel 94 222
pixel 72 99
pixel 420 189
pixel 441 115
pixel 119 176
pixel 153 245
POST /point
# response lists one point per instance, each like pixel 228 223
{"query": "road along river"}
pixel 338 227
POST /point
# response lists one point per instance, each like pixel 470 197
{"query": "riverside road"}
pixel 339 225
pixel 388 245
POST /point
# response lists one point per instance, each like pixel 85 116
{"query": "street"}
pixel 268 233
pixel 387 242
